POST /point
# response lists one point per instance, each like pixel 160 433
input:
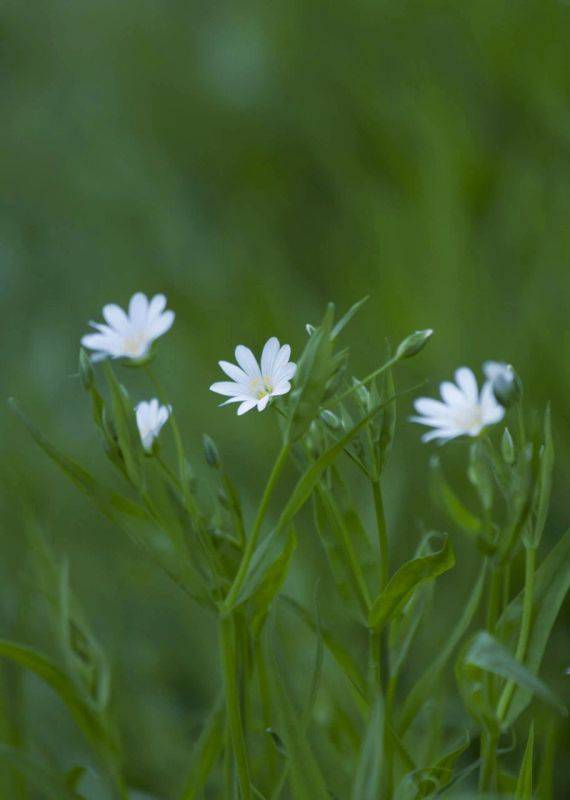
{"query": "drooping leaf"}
pixel 406 580
pixel 484 654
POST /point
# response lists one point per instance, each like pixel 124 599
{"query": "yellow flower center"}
pixel 134 346
pixel 261 387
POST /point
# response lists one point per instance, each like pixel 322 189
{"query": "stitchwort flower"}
pixel 151 416
pixel 254 384
pixel 129 335
pixel 463 411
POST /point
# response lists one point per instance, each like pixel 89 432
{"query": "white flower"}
pixel 129 335
pixel 253 385
pixel 151 416
pixel 463 412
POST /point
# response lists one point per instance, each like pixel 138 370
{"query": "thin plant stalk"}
pixel 524 633
pixel 253 539
pixel 228 652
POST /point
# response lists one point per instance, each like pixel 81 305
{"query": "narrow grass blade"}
pixel 552 582
pixel 423 689
pixel 523 789
pixel 206 751
pixel 368 779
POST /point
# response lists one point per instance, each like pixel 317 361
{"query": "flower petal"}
pixel 451 395
pixel 262 403
pixel 467 382
pixel 227 388
pixel 160 325
pixel 138 309
pixel 115 317
pixel 282 388
pixel 247 405
pixel 268 356
pixel 247 361
pixel 234 372
pixel 282 358
pixel 430 407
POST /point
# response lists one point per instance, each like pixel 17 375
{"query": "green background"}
pixel 253 161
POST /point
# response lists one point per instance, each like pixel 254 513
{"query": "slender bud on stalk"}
pixel 330 419
pixel 413 344
pixel 508 448
pixel 211 452
pixel 86 370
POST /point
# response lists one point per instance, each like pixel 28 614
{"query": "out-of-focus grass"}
pixel 254 160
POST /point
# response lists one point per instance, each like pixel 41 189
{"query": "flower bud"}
pixel 310 329
pixel 508 448
pixel 86 370
pixel 413 344
pixel 330 419
pixel 507 386
pixel 211 452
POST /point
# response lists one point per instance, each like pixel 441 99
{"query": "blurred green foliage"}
pixel 254 160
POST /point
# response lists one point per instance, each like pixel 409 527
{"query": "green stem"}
pixel 251 543
pixel 489 740
pixel 363 382
pixel 524 633
pixel 488 762
pixel 228 649
pixel 361 587
pixel 382 533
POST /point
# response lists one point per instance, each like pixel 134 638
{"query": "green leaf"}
pixel 43 778
pixel 406 580
pixel 484 654
pixel 206 751
pixel 109 503
pixel 123 418
pixel 314 369
pixel 308 480
pixel 343 657
pixel 268 571
pixel 344 320
pixel 97 729
pixel 546 769
pixel 523 790
pixel 444 496
pixel 551 585
pixel 368 778
pixel 422 690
